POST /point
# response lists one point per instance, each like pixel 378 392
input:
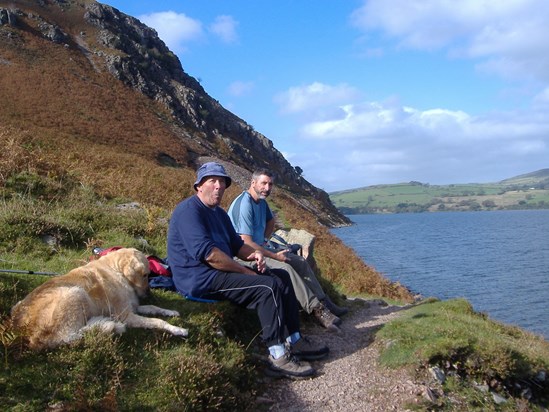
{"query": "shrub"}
pixel 23 217
pixel 197 379
pixel 94 370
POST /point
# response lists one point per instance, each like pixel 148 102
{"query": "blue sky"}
pixel 365 92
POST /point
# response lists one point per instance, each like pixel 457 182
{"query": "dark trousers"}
pixel 270 294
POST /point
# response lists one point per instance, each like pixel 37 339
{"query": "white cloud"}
pixel 314 96
pixel 368 119
pixel 225 28
pixel 175 29
pixel 351 125
pixel 509 37
pixel 240 88
pixel 542 98
pixel 378 120
pixel 441 120
pixel 527 147
pixel 386 142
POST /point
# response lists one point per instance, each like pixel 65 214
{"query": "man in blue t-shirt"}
pixel 254 222
pixel 201 246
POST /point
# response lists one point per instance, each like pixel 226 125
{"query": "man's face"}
pixel 262 187
pixel 211 189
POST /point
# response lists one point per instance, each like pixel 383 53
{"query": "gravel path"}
pixel 350 378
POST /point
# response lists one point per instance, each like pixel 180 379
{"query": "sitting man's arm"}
pixel 280 256
pixel 269 228
pixel 221 261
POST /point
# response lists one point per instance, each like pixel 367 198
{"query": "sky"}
pixel 366 92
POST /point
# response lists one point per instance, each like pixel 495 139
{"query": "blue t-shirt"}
pixel 194 230
pixel 250 218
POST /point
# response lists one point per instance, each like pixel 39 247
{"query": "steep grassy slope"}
pixel 530 179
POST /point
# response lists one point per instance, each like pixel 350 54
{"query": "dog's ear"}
pixel 136 272
pixel 136 264
pixel 130 262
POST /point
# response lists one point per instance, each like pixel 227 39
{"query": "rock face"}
pixel 301 237
pixel 133 53
pixel 144 62
pixel 7 17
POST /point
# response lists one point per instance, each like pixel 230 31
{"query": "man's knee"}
pixel 297 261
pixel 281 277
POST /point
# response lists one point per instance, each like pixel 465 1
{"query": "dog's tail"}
pixel 105 325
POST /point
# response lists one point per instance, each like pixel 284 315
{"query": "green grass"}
pixel 470 348
pixel 140 370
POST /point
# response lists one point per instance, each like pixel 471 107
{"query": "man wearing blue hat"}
pixel 201 246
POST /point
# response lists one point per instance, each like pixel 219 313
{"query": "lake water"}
pixel 498 261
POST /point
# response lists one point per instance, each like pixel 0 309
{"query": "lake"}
pixel 498 261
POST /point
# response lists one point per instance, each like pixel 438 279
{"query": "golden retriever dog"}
pixel 104 293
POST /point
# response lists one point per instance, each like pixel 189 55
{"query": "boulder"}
pixel 302 237
pixel 7 17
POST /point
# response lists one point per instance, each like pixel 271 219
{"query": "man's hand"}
pixel 221 261
pixel 282 256
pixel 257 255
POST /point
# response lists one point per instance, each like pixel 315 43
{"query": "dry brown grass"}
pixel 14 156
pixel 97 110
pixel 87 124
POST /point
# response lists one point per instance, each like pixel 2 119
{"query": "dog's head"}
pixel 133 265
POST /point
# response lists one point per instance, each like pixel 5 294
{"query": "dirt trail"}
pixel 351 378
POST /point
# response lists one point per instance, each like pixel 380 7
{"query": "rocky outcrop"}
pixel 50 31
pixel 144 62
pixel 7 17
pixel 303 238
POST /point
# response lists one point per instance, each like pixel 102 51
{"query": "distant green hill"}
pixel 528 191
pixel 534 178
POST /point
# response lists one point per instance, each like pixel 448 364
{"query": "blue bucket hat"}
pixel 211 169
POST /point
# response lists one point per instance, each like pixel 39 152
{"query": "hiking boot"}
pixel 325 317
pixel 288 366
pixel 336 310
pixel 306 349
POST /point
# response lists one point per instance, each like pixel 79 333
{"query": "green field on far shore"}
pixel 523 192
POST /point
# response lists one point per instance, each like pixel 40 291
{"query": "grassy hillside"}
pixel 479 364
pixel 529 191
pixel 534 179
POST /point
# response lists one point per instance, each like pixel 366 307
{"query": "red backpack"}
pixel 158 266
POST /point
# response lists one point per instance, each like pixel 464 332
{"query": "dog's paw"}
pixel 180 332
pixel 170 313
